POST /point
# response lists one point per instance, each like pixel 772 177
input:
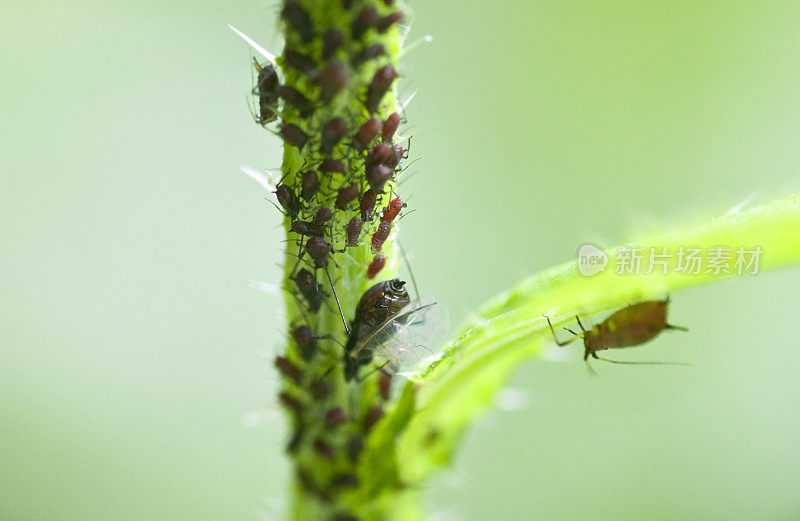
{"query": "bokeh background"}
pixel 129 341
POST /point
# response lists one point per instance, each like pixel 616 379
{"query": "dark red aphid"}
pixel 307 284
pixel 367 133
pixel 332 165
pixel 335 417
pixel 367 205
pixel 380 235
pixel 377 264
pixel 346 195
pixel 318 249
pixel 392 209
pixel 306 341
pixel 628 327
pixel 296 99
pixel 307 228
pixel 267 90
pixel 390 126
pixel 389 20
pixel 367 53
pixel 332 79
pixel 380 84
pixel 378 175
pixel 320 389
pixel 299 61
pixel 298 19
pixel 309 184
pixel 366 19
pixel 372 417
pixel 385 385
pixel 381 153
pixel 288 369
pixel 324 448
pixel 290 402
pixel 288 200
pixel 323 215
pixel 294 135
pixel 331 40
pixel 354 227
pixel 333 132
pixel 396 155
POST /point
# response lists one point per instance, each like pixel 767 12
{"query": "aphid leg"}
pixel 592 372
pixel 639 363
pixel 679 328
pixel 341 313
pixel 579 323
pixel 555 338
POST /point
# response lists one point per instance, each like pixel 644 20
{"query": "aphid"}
pixel 299 61
pixel 323 215
pixel 385 385
pixel 392 209
pixel 354 227
pixel 375 267
pixel 380 84
pixel 355 446
pixel 390 126
pixel 306 341
pixel 396 154
pixel 309 184
pixel 367 53
pixel 294 135
pixel 346 195
pixel 331 80
pixel 298 19
pixel 389 20
pixel 288 369
pixel 380 235
pixel 367 205
pixel 267 90
pixel 331 165
pixel 366 133
pixel 388 323
pixel 372 417
pixel 331 40
pixel 335 417
pixel 378 175
pixel 307 284
pixel 628 327
pixel 366 18
pixel 307 228
pixel 318 249
pixel 320 389
pixel 324 448
pixel 296 99
pixel 291 403
pixel 346 481
pixel 288 200
pixel 378 155
pixel 333 132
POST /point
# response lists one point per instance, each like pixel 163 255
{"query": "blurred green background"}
pixel 129 341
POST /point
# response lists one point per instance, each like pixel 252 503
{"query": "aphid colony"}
pixel 350 158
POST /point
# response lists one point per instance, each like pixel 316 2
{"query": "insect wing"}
pixel 410 336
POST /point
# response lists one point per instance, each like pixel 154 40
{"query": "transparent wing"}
pixel 410 336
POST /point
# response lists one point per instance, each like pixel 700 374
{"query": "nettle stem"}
pixel 336 110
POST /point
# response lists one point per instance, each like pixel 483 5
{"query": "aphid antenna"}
pixel 625 362
pixel 408 265
pixel 404 104
pixel 400 216
pixel 336 297
pixel 679 328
